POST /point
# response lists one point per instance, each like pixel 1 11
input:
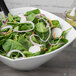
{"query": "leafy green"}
pixel 11 45
pixel 40 27
pixel 17 18
pixel 31 17
pixel 10 17
pixel 2 53
pixel 26 43
pixel 34 39
pixel 25 26
pixel 0 23
pixel 37 53
pixel 53 48
pixel 12 24
pixel 2 41
pixel 10 39
pixel 27 53
pixel 65 32
pixel 16 28
pixel 64 40
pixel 3 25
pixel 36 11
pixel 1 36
pixel 56 23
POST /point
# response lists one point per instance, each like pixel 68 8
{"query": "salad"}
pixel 30 34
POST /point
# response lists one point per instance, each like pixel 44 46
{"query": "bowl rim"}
pixel 26 58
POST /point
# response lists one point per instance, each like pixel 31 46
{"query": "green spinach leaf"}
pixel 31 17
pixel 26 43
pixel 56 24
pixel 40 27
pixel 36 11
pixel 11 45
pixel 10 17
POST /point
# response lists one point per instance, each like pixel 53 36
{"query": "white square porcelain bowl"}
pixel 34 62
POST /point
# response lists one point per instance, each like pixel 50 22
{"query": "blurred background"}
pixel 57 6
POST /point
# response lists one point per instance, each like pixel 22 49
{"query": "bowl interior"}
pixel 71 34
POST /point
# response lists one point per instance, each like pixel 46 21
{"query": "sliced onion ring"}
pixel 55 44
pixel 34 42
pixel 40 38
pixel 9 26
pixel 42 14
pixel 48 36
pixel 9 53
pixel 47 26
pixel 27 30
pixel 46 23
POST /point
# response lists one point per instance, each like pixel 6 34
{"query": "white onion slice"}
pixel 47 26
pixel 55 44
pixel 37 16
pixel 34 49
pixel 34 42
pixel 27 30
pixel 48 36
pixel 23 18
pixel 46 23
pixel 9 26
pixel 9 53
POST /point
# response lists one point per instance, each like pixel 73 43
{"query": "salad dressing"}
pixel 71 15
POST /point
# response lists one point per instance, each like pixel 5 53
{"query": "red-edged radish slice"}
pixel 34 49
pixel 56 32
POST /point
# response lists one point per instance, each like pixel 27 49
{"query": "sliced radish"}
pixel 56 32
pixel 34 49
